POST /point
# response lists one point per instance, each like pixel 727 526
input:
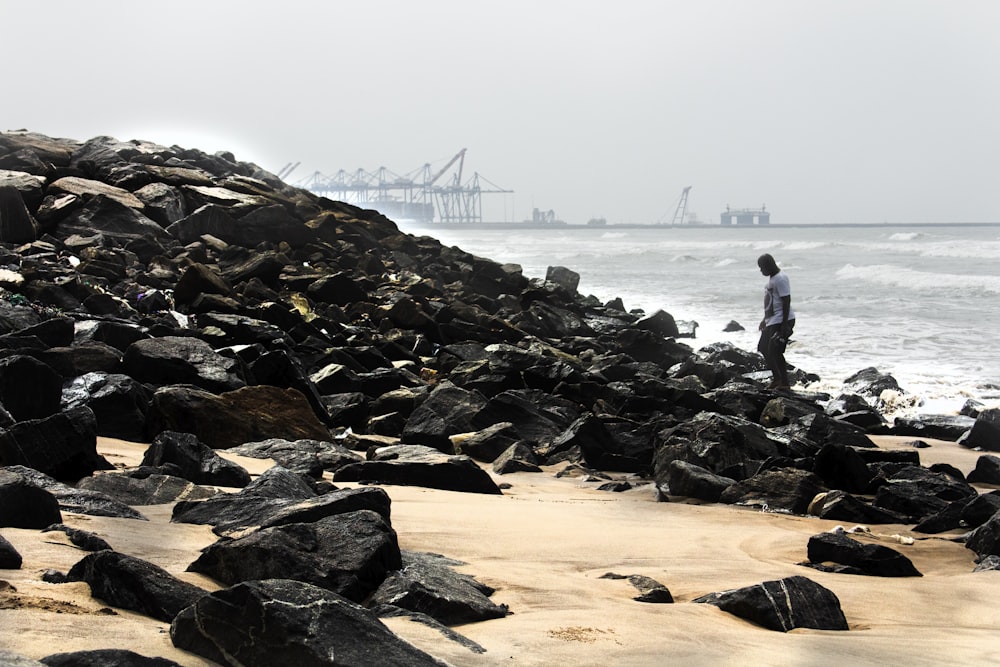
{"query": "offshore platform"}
pixel 422 196
pixel 746 216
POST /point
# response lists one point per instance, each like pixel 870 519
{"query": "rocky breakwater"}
pixel 198 303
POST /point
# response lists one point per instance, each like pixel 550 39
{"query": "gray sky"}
pixel 847 110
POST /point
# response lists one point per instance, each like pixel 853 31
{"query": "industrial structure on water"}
pixel 422 196
pixel 746 216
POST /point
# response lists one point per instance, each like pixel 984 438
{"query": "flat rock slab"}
pixel 417 465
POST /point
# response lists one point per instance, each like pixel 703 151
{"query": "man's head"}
pixel 767 265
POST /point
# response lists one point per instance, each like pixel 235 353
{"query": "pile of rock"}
pixel 198 303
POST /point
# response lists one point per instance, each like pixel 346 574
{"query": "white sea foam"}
pixel 897 276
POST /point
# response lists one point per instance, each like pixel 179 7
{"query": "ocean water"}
pixel 921 303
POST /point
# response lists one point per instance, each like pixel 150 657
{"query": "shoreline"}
pixel 627 225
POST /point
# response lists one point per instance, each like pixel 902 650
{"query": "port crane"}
pixel 417 195
pixel 681 210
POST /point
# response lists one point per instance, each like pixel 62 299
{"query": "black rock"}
pixel 842 467
pixel 987 470
pixel 782 489
pixel 107 657
pixel 29 388
pixel 349 554
pixel 516 458
pixel 984 433
pixel 181 360
pixel 871 382
pixel 985 540
pixel 63 446
pixel 132 583
pixel 197 462
pixel 691 481
pixel 487 444
pixel 118 402
pixel 415 465
pixel 783 605
pixel 427 584
pixel 842 506
pixel 144 488
pixel 447 411
pixel 84 539
pixel 261 622
pixel 650 590
pixel 871 559
pixel 940 427
pixel 306 457
pixel 10 559
pixel 24 504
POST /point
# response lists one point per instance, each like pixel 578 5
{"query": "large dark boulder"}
pixel 148 489
pixel 105 657
pixel 118 402
pixel 447 411
pixel 987 470
pixel 416 465
pixel 181 360
pixel 349 554
pixel 781 489
pixel 249 414
pixel 29 388
pixel 135 584
pixel 537 417
pixel 106 214
pixel 842 506
pixel 24 504
pixel 984 433
pixel 487 444
pixel 985 540
pixel 872 559
pixel 842 467
pixel 306 457
pixel 940 427
pixel 262 622
pixel 718 443
pixel 17 225
pixel 63 446
pixel 195 461
pixel 10 559
pixel 427 584
pixel 600 448
pixel 783 605
pixel 78 499
pixel 691 481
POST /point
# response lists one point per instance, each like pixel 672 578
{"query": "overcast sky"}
pixel 846 110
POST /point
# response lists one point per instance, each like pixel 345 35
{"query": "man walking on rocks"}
pixel 778 322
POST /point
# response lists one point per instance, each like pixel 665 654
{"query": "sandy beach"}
pixel 544 546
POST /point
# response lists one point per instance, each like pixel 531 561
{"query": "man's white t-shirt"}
pixel 777 287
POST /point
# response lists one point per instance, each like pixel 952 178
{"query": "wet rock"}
pixel 195 461
pixel 150 489
pixel 447 411
pixel 871 382
pixel 718 443
pixel 118 402
pixel 984 433
pixel 783 605
pixel 985 540
pixel 871 559
pixel 134 584
pixel 516 458
pixel 29 388
pixel 306 457
pixel 259 622
pixel 841 506
pixel 940 427
pixel 842 467
pixel 987 470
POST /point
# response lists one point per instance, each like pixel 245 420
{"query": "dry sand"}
pixel 544 545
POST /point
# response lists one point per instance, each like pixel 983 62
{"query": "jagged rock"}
pixel 650 590
pixel 661 323
pixel 349 554
pixel 249 414
pixel 987 470
pixel 416 465
pixel 134 584
pixel 10 559
pixel 568 279
pixel 538 417
pixel 178 360
pixel 260 623
pixel 17 225
pixel 783 605
pixel 842 467
pixel 980 509
pixel 841 506
pixel 111 219
pixel 984 433
pixel 919 493
pixel 872 559
pixel 63 446
pixel 871 382
pixel 77 500
pixel 278 497
pixel 516 458
pixel 427 584
pixel 196 461
pixel 488 444
pixel 715 442
pixel 782 410
pixel 84 539
pixel 447 411
pixel 691 481
pixel 151 489
pixel 29 388
pixel 306 457
pixel 823 429
pixel 783 489
pixel 985 540
pixel 24 504
pixel 11 659
pixel 987 564
pixel 733 325
pixel 118 402
pixel 600 448
pixel 940 427
pixel 105 657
